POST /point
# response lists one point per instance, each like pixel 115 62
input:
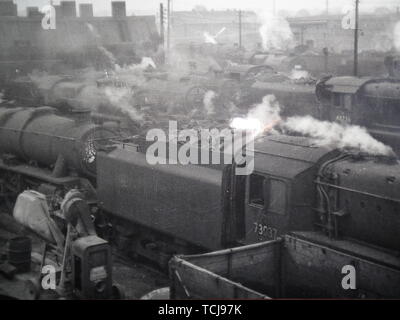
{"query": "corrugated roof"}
pixel 349 85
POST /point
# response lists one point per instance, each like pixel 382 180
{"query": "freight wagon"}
pixel 299 265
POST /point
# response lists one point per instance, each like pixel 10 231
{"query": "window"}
pixel 277 202
pixel 268 193
pixel 336 100
pixel 256 196
pixel 348 102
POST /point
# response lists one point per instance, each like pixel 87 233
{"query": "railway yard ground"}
pixel 137 278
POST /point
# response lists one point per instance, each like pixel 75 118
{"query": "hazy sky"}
pixel 102 6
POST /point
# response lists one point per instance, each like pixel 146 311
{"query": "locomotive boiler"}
pixel 40 135
pixel 47 152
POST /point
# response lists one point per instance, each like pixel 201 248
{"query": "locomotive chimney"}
pixel 33 12
pixel 86 10
pixel 8 8
pixel 68 9
pixel 118 9
pixel 81 115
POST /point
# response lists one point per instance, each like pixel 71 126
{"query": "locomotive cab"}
pixel 339 99
pixel 371 103
pixel 279 193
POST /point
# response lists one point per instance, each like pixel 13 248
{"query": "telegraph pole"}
pixel 162 31
pixel 356 40
pixel 169 26
pixel 240 29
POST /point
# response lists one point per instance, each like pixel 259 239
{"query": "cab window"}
pixel 277 203
pixel 257 194
pixel 337 100
pixel 268 193
pixel 348 101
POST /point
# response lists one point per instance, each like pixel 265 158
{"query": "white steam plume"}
pixel 261 118
pixel 208 38
pixel 142 66
pixel 336 135
pixel 275 32
pixel 111 59
pixel 91 96
pixel 265 116
pixel 208 102
pixel 396 36
pixel 298 73
pixel 120 98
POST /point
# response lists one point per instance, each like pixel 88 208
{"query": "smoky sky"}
pixel 102 7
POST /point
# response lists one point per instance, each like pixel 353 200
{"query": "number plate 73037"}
pixel 263 230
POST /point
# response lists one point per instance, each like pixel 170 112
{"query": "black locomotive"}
pixel 160 210
pixel 367 101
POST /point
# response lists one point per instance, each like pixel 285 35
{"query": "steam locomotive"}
pixel 368 102
pixel 160 210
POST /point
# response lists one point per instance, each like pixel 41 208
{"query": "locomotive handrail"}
pixel 356 191
pixel 57 136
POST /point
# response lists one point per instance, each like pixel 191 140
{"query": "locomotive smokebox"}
pixel 40 135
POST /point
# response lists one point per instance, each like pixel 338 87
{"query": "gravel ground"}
pixel 136 278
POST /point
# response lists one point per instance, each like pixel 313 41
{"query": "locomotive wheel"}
pixel 195 98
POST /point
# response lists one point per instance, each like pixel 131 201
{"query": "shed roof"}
pixel 287 156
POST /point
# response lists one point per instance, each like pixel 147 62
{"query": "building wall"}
pixel 323 31
pixel 376 33
pixel 72 34
pixel 189 27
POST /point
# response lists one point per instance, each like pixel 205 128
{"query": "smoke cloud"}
pixel 267 115
pixel 397 36
pixel 121 100
pixel 336 135
pixel 275 32
pixel 297 73
pixel 261 118
pixel 209 102
pixel 91 96
pixel 111 59
pixel 208 38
